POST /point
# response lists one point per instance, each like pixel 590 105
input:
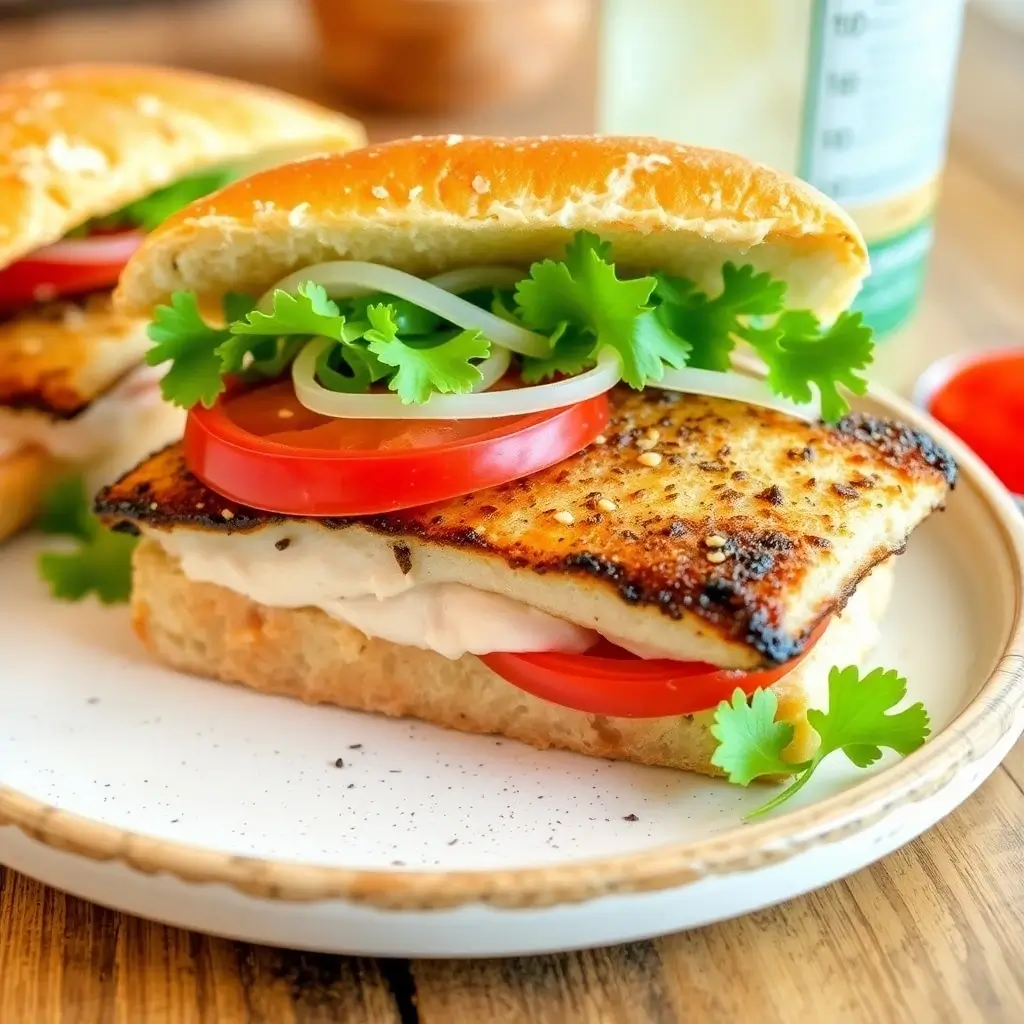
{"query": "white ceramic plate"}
pixel 215 808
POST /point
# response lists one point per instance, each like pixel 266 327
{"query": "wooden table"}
pixel 933 933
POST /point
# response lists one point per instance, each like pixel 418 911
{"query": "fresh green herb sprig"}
pixel 581 304
pixel 149 212
pixel 859 722
pixel 101 561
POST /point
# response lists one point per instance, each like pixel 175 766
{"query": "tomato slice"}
pixel 71 267
pixel 263 449
pixel 610 681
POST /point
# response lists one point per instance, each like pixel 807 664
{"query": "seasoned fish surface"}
pixel 58 358
pixel 722 530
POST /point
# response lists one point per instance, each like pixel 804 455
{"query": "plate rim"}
pixel 996 710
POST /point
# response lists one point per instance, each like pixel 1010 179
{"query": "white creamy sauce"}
pixel 362 583
pixel 131 415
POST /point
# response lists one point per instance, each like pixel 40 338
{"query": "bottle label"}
pixel 876 116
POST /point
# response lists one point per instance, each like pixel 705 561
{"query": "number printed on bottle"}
pixel 879 70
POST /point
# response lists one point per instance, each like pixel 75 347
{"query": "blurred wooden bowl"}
pixel 436 55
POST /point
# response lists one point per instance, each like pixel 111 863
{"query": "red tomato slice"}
pixel 71 267
pixel 610 681
pixel 263 449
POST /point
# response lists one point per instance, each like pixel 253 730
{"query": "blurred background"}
pixel 865 98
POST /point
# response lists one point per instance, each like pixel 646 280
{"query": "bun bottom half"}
pixel 207 630
pixel 25 477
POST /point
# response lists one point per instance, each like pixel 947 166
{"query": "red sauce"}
pixel 274 413
pixel 983 403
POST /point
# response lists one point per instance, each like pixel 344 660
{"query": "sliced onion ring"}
pixel 492 369
pixel 736 386
pixel 467 279
pixel 488 405
pixel 104 249
pixel 344 279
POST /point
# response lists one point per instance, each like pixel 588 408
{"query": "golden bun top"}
pixel 80 141
pixel 429 204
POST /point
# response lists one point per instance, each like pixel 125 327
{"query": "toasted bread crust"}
pixel 24 477
pixel 426 205
pixel 211 631
pixel 80 141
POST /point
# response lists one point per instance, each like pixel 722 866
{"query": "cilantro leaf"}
pixel 349 365
pixel 237 306
pixel 584 292
pixel 65 511
pixel 262 345
pixel 151 211
pixel 309 312
pixel 191 346
pixel 572 352
pixel 711 326
pixel 857 722
pixel 799 353
pixel 101 563
pixel 410 318
pixel 750 741
pixel 437 364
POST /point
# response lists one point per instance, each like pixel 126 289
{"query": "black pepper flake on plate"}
pixel 630 817
pixel 355 746
pixel 282 544
pixel 339 763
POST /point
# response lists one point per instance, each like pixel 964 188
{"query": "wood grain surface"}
pixel 934 933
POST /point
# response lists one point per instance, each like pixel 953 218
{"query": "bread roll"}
pixel 82 140
pixel 429 204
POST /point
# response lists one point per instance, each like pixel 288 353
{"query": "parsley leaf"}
pixel 572 352
pixel 410 318
pixel 711 326
pixel 149 212
pixel 584 291
pixel 102 562
pixel 750 741
pixel 262 345
pixel 350 366
pixel 191 346
pixel 858 722
pixel 309 312
pixel 440 363
pixel 798 353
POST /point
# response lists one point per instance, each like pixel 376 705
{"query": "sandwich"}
pixel 91 158
pixel 469 445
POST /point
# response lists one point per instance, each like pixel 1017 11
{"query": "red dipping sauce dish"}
pixel 980 398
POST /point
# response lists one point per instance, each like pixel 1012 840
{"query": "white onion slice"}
pixel 105 249
pixel 517 402
pixel 344 279
pixel 467 279
pixel 737 386
pixel 492 369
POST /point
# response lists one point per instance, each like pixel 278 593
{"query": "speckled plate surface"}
pixel 214 808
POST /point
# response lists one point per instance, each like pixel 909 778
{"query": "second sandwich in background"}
pixel 91 158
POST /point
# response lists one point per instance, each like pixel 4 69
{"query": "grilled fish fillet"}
pixel 730 548
pixel 58 358
pixel 73 399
